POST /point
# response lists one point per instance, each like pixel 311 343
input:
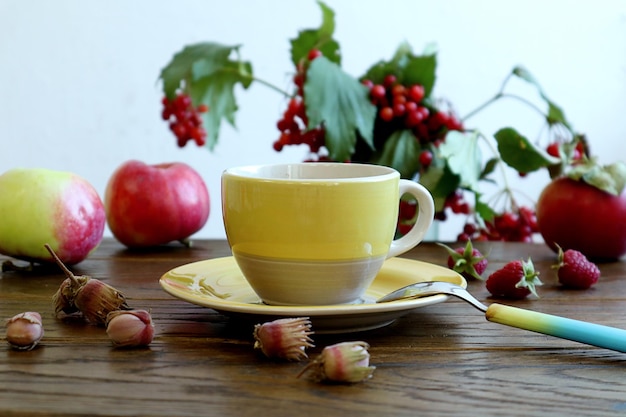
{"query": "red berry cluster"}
pixel 554 149
pixel 426 158
pixel 399 107
pixel 508 226
pixel 403 107
pixel 406 216
pixel 456 202
pixel 184 119
pixel 293 126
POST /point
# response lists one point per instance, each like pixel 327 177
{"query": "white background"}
pixel 79 92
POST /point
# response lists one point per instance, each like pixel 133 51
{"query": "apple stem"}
pixel 58 261
pixel 186 242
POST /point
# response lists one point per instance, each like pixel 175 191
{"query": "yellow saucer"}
pixel 220 285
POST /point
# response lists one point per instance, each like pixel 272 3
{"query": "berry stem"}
pixel 252 78
pixel 270 86
pixel 482 107
pixel 501 163
pixel 490 101
pixel 500 95
pixel 506 189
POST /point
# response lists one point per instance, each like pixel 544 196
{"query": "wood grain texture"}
pixel 441 360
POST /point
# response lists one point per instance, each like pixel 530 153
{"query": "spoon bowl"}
pixel 428 288
pixel 578 331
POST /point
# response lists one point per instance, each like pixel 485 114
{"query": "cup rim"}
pixel 368 172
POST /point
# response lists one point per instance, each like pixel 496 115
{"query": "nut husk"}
pixel 91 297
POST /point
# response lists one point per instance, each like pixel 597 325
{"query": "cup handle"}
pixel 426 214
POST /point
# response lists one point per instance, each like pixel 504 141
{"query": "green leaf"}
pixel 206 72
pixel 377 72
pixel 617 171
pixel 440 181
pixel 420 70
pixel 430 49
pixel 321 39
pixel 482 209
pixel 408 68
pixel 217 92
pixel 555 113
pixel 193 62
pixel 609 178
pixel 401 152
pixel 525 75
pixel 489 167
pixel 464 157
pixel 519 153
pixel 341 103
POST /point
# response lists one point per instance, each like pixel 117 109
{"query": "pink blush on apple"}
pixel 80 221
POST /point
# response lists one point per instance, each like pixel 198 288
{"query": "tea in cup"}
pixel 317 233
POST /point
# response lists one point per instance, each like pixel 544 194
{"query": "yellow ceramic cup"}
pixel 317 233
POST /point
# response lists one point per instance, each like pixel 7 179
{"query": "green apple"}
pixel 39 206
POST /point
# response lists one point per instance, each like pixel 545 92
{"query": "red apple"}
pixel 150 205
pixel 576 215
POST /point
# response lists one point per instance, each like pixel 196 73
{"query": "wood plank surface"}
pixel 440 360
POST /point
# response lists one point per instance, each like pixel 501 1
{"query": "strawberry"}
pixel 467 261
pixel 575 270
pixel 515 280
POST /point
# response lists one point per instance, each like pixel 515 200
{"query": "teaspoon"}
pixel 579 331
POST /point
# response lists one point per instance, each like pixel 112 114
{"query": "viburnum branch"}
pixel 271 86
pixel 386 115
pixel 525 101
pixel 499 96
pixel 501 163
pixel 490 101
pixel 482 107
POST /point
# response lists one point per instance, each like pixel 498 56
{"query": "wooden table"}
pixel 443 359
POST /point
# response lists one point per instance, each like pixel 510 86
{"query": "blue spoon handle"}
pixel 579 331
